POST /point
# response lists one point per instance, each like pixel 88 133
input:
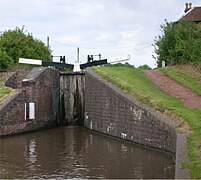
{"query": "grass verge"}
pixel 4 90
pixel 134 82
pixel 186 75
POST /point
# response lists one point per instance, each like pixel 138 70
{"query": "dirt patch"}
pixel 174 89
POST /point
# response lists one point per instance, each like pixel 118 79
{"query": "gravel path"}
pixel 173 88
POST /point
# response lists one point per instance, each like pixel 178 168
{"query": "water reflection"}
pixel 30 154
pixel 78 153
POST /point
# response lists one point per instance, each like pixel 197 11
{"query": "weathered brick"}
pixel 41 86
pixel 130 120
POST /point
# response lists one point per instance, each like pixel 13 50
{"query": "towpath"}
pixel 173 88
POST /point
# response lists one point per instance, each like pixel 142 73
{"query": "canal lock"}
pixel 72 88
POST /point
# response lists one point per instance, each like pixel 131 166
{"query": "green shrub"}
pixel 19 43
pixel 180 43
pixel 5 60
pixel 144 67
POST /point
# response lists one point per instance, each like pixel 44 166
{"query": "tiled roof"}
pixel 193 15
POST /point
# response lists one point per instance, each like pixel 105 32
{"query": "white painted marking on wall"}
pixel 25 111
pixel 31 110
pixel 123 135
pixel 137 113
pixel 111 127
pixel 91 125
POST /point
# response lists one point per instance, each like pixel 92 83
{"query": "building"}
pixel 192 14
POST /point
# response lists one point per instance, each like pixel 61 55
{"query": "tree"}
pixel 144 67
pixel 180 43
pixel 5 60
pixel 19 43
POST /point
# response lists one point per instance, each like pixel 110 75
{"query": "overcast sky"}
pixel 110 27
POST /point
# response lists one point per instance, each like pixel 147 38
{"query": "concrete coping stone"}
pixel 33 76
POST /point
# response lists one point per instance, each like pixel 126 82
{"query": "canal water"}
pixel 75 152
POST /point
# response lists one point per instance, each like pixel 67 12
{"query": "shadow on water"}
pixel 74 152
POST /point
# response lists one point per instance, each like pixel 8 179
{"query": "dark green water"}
pixel 74 152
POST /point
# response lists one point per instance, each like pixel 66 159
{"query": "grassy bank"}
pixel 135 83
pixel 4 91
pixel 188 75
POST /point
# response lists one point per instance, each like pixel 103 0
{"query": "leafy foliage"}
pixel 18 43
pixel 180 43
pixel 144 67
pixel 5 60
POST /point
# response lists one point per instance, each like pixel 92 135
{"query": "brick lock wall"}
pixel 111 111
pixel 44 92
pixel 41 87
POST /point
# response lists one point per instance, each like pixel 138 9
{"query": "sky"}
pixel 109 27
